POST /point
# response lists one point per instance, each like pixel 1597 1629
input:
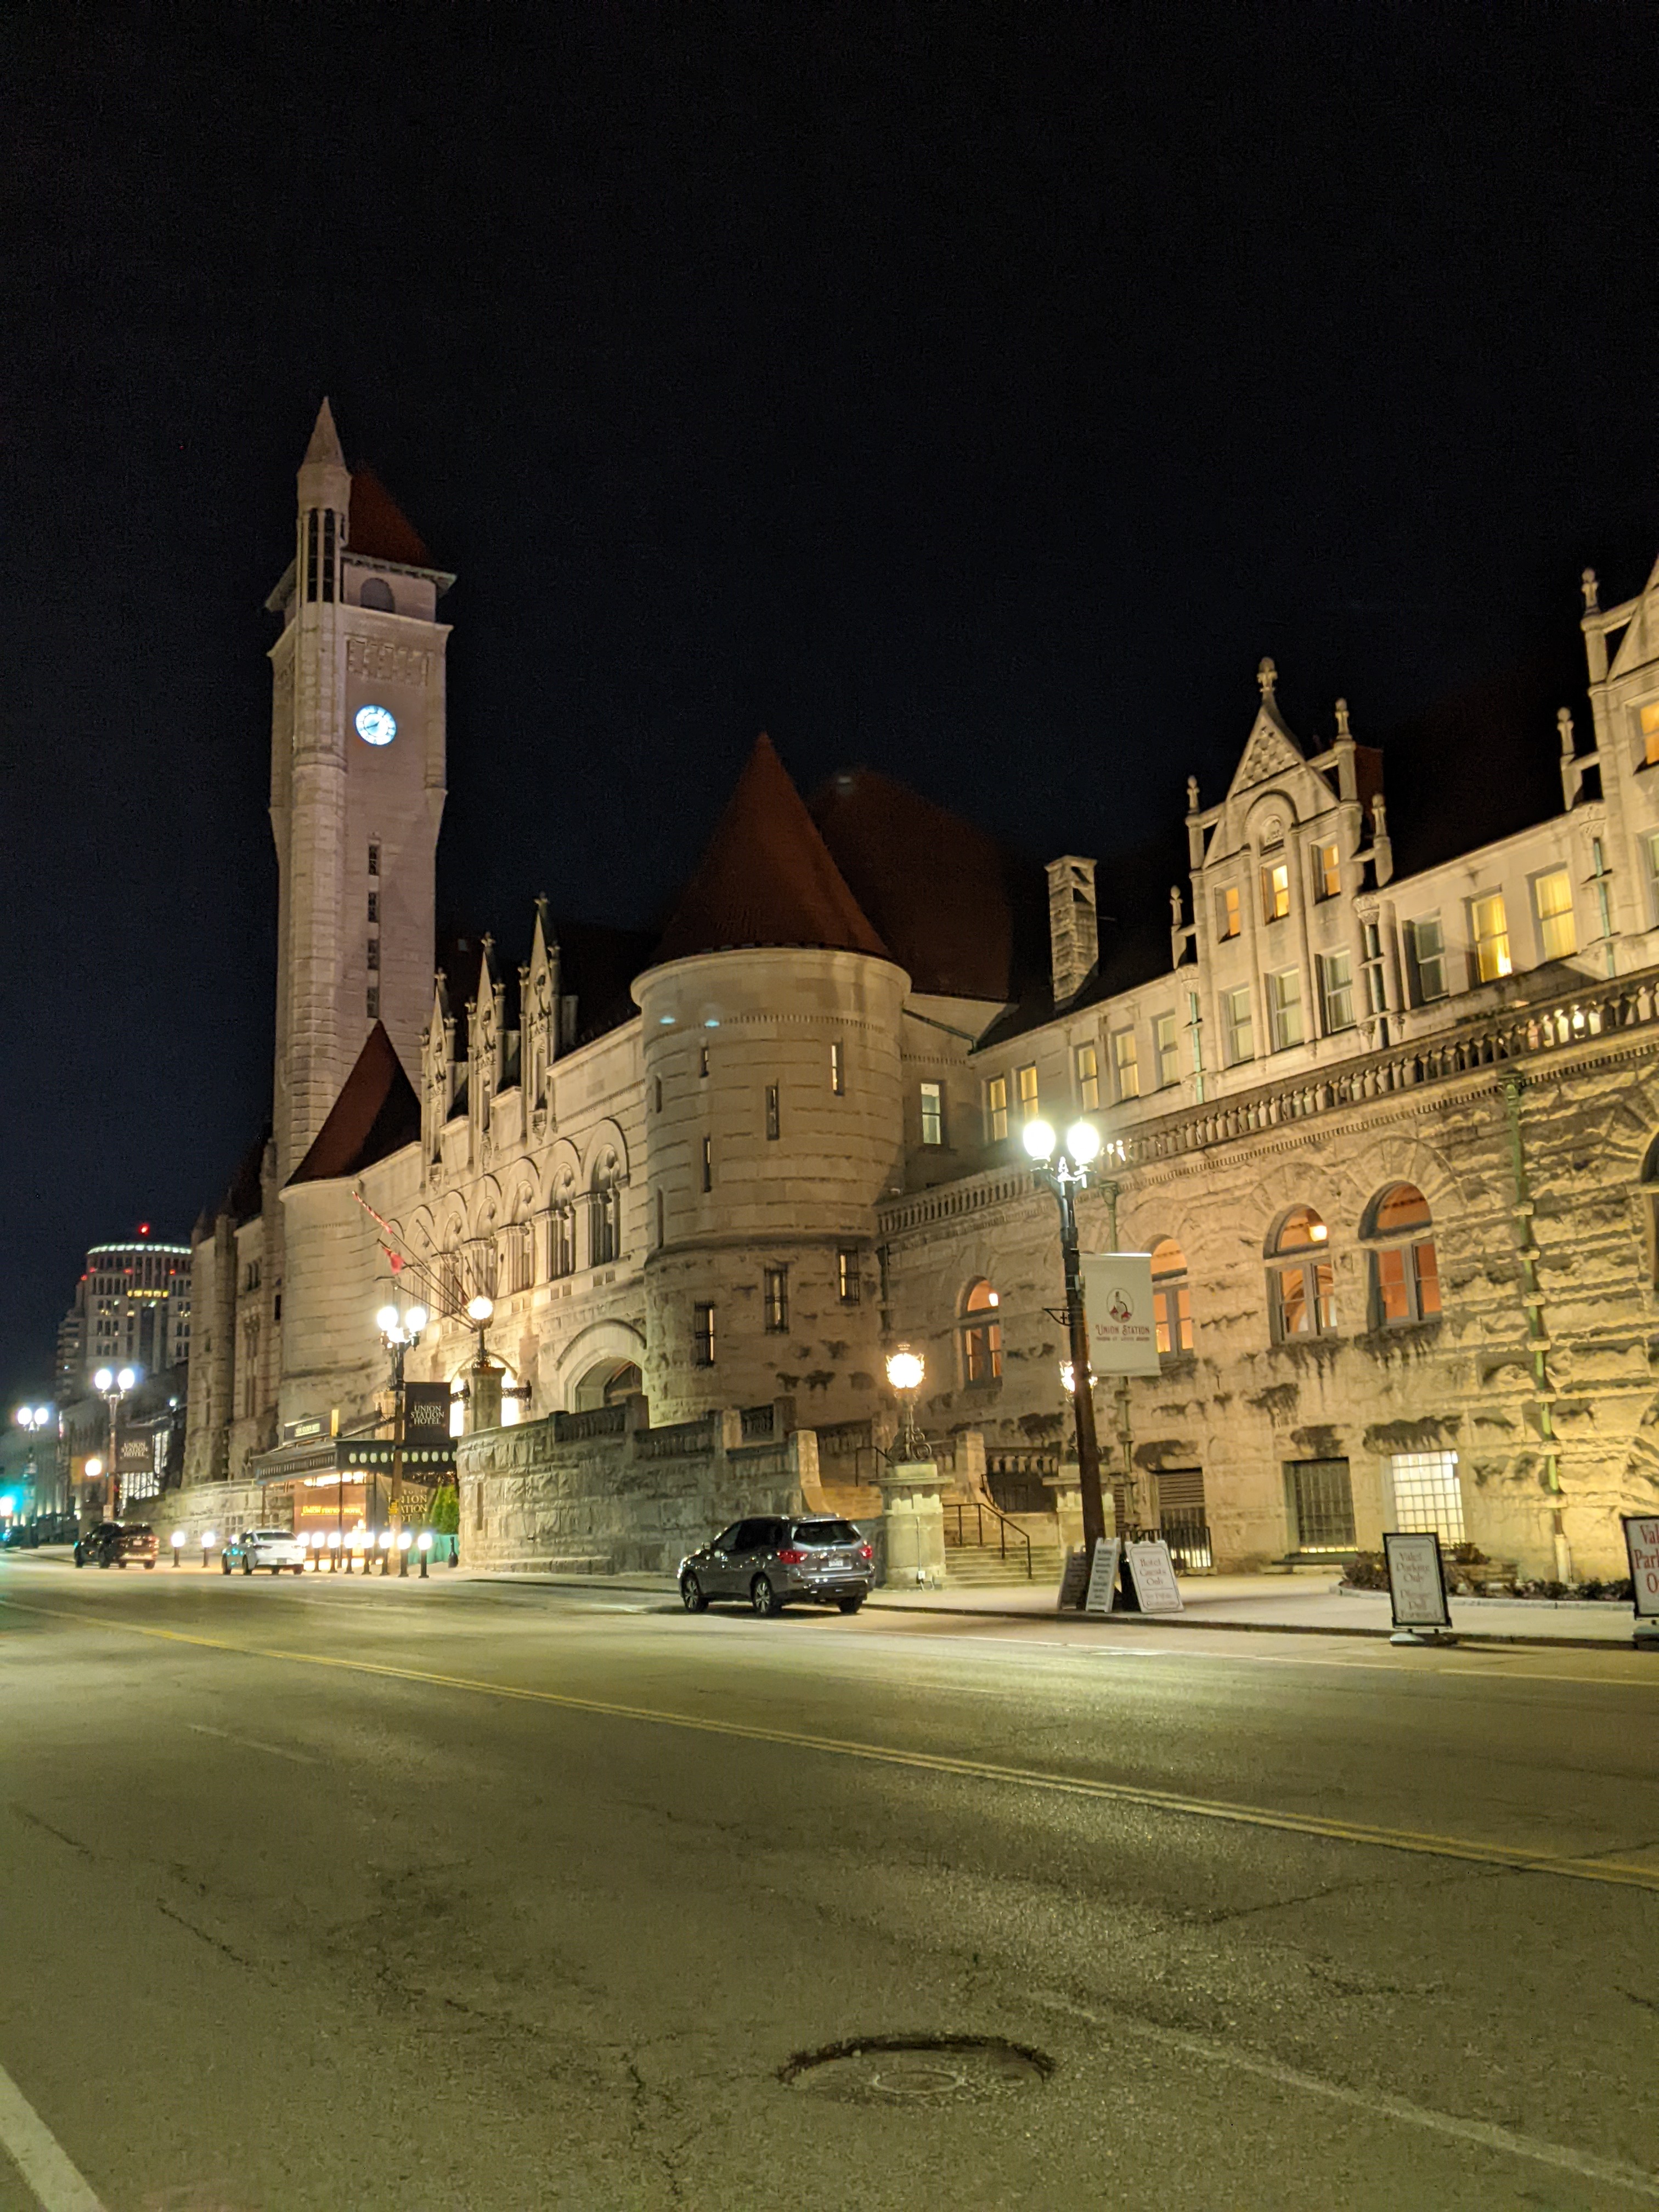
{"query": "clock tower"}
pixel 357 785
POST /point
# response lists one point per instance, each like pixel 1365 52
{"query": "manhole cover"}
pixel 917 2070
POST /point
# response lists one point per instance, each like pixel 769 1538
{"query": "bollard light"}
pixel 177 1545
pixel 426 1550
pixel 207 1545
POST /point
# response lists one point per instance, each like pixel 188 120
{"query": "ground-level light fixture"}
pixel 207 1544
pixel 178 1542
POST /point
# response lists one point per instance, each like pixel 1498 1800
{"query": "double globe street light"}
pixel 399 1332
pixel 1064 1171
pixel 32 1419
pixel 111 1385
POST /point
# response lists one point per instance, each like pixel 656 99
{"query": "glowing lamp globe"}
pixel 904 1371
pixel 1083 1142
pixel 1038 1139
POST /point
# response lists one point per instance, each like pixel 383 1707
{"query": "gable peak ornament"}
pixel 1342 729
pixel 1268 677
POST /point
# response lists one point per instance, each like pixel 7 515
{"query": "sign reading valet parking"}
pixel 1642 1544
pixel 1117 1290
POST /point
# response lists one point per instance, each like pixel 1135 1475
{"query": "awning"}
pixel 288 1463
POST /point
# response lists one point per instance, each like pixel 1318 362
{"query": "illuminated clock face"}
pixel 376 726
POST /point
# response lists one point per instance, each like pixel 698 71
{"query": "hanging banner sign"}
pixel 1117 1292
pixel 1417 1583
pixel 426 1409
pixel 1642 1547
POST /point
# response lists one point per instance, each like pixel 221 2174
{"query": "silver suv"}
pixel 771 1559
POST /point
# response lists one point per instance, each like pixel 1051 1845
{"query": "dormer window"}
pixel 1275 891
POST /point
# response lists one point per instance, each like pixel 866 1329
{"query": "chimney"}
pixel 1074 926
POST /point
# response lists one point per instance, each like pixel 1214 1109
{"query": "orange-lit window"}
pixel 1404 1272
pixel 1302 1285
pixel 1650 733
pixel 981 1335
pixel 1172 1298
pixel 1229 921
pixel 1275 891
pixel 1489 927
pixel 1327 871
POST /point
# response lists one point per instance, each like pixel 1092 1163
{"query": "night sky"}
pixel 977 395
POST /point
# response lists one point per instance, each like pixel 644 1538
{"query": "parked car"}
pixel 117 1544
pixel 769 1559
pixel 274 1548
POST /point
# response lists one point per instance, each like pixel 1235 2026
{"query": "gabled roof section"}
pixel 1270 748
pixel 1640 643
pixel 767 877
pixel 325 444
pixel 376 1113
pixel 377 526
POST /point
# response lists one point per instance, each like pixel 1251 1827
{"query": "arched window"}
pixel 605 1217
pixel 981 1335
pixel 562 1230
pixel 1405 1274
pixel 377 592
pixel 1301 1281
pixel 1172 1298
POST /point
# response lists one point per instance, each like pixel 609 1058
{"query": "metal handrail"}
pixel 979 1509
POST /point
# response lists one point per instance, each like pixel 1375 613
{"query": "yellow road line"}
pixel 1515 1858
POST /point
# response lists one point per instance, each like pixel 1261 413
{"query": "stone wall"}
pixel 600 1492
pixel 223 1507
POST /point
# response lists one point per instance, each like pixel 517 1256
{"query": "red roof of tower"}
pixel 378 526
pixel 767 877
pixel 376 1113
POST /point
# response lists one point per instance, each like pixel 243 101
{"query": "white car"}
pixel 274 1548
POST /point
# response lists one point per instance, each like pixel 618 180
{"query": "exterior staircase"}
pixel 982 1565
pixel 983 1545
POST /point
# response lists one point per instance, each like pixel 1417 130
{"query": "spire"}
pixel 324 445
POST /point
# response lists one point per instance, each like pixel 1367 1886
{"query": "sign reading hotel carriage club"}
pixel 1117 1290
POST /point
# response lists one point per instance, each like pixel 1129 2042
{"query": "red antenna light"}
pixel 144 1229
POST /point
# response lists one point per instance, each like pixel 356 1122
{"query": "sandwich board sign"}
pixel 1417 1587
pixel 1102 1574
pixel 1154 1576
pixel 1117 1292
pixel 1642 1548
pixel 1074 1581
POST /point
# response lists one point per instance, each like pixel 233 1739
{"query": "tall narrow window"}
pixel 1027 1094
pixel 709 1164
pixel 1275 891
pixel 1284 1006
pixel 373 951
pixel 1172 1299
pixel 702 1059
pixel 1404 1272
pixel 702 1334
pixel 373 859
pixel 837 1071
pixel 662 1222
pixel 1335 992
pixel 1241 1029
pixel 1302 1284
pixel 656 1094
pixel 933 1113
pixel 604 1213
pixel 1427 1494
pixel 374 906
pixel 1328 872
pixel 772 1122
pixel 1088 1078
pixel 775 1288
pixel 981 1335
pixel 1229 919
pixel 1126 1064
pixel 849 1284
pixel 1650 733
pixel 1490 931
pixel 372 1002
pixel 996 1109
pixel 311 554
pixel 562 1234
pixel 1551 899
pixel 1428 958
pixel 1166 1050
pixel 328 552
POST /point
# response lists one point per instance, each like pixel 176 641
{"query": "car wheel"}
pixel 764 1599
pixel 104 1562
pixel 149 1566
pixel 850 1604
pixel 79 1561
pixel 691 1596
pixel 247 1564
pixel 224 1566
pixel 122 1565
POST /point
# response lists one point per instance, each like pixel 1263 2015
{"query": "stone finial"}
pixel 1268 677
pixel 1379 816
pixel 1192 794
pixel 1174 904
pixel 1342 729
pixel 1563 724
pixel 1592 591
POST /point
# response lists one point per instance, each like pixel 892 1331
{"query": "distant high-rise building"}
pixel 132 1309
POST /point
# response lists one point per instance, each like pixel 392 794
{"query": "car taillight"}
pixel 791 1559
pixel 865 1551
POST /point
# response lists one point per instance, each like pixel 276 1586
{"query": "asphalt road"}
pixel 362 1896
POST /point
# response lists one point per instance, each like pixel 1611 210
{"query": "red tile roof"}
pixel 767 877
pixel 376 1113
pixel 378 525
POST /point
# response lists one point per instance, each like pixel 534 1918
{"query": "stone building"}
pixel 1387 1133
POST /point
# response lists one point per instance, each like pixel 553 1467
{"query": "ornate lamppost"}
pixel 32 1419
pixel 905 1371
pixel 399 1333
pixel 111 1386
pixel 1064 1173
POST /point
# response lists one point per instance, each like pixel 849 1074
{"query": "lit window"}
pixel 1428 955
pixel 1490 930
pixel 709 1164
pixel 837 1072
pixel 1551 899
pixel 996 1108
pixel 702 1059
pixel 772 1122
pixel 1336 992
pixel 1328 872
pixel 702 1334
pixel 1427 1494
pixel 1027 1094
pixel 1285 1006
pixel 1275 891
pixel 1405 1273
pixel 1229 921
pixel 1236 1013
pixel 933 1113
pixel 1126 1064
pixel 1088 1077
pixel 849 1284
pixel 1652 850
pixel 981 1335
pixel 777 1300
pixel 1650 733
pixel 1302 1286
pixel 1166 1050
pixel 1172 1298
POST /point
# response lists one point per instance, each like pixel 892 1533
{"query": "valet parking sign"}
pixel 1642 1544
pixel 1117 1290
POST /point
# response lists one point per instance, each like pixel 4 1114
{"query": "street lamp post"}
pixel 904 1372
pixel 32 1419
pixel 399 1333
pixel 1064 1173
pixel 112 1387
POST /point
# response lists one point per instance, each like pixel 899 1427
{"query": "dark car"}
pixel 117 1544
pixel 771 1559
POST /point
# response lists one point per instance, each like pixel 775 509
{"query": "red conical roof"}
pixel 378 527
pixel 376 1113
pixel 767 877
